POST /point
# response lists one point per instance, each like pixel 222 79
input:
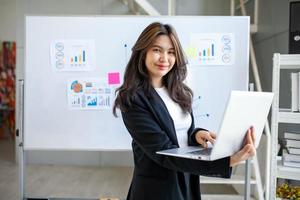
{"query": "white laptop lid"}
pixel 244 109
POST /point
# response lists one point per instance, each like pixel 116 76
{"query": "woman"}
pixel 156 108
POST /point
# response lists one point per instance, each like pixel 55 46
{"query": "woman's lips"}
pixel 162 67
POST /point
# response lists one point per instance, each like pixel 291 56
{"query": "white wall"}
pixel 7 20
pixel 194 7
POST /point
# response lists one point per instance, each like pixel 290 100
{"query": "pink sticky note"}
pixel 113 78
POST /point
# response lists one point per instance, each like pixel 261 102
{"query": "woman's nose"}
pixel 164 57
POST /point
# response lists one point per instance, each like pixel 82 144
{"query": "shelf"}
pixel 281 61
pixel 235 179
pixel 290 61
pixel 286 116
pixel 287 172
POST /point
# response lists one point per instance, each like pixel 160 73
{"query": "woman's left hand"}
pixel 203 136
pixel 248 150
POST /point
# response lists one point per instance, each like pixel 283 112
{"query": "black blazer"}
pixel 158 177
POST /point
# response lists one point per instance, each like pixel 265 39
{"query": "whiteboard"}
pixel 49 121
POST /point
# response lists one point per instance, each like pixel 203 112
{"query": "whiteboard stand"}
pixel 248 166
pixel 20 138
pixel 247 179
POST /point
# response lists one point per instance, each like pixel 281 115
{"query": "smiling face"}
pixel 160 59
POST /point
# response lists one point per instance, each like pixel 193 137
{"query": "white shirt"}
pixel 182 121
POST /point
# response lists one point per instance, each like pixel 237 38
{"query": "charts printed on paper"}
pixel 211 49
pixel 89 94
pixel 72 55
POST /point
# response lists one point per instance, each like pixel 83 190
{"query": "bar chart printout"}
pixel 72 55
pixel 211 49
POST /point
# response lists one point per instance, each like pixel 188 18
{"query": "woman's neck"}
pixel 156 83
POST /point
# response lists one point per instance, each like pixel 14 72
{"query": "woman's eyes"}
pixel 156 50
pixel 159 50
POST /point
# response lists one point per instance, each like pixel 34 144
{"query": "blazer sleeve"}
pixel 192 138
pixel 192 133
pixel 147 133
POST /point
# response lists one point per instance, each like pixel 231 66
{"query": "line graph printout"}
pixel 89 94
pixel 72 55
pixel 211 49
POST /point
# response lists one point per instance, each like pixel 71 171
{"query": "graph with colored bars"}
pixel 72 55
pixel 207 53
pixel 91 101
pixel 104 101
pixel 79 59
pixel 211 49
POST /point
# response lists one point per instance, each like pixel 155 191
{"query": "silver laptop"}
pixel 244 109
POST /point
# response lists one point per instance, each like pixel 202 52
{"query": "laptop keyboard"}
pixel 202 152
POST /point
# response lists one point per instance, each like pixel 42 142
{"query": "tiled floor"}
pixel 70 181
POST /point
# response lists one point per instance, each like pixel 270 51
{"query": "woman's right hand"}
pixel 202 137
pixel 247 151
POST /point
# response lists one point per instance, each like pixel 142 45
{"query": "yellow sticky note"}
pixel 191 52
